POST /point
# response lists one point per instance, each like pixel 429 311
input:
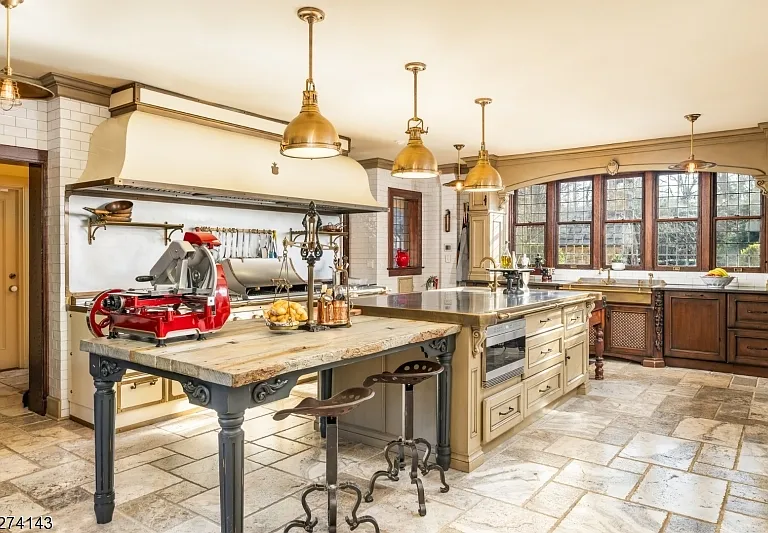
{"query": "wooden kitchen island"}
pixel 553 325
pixel 245 365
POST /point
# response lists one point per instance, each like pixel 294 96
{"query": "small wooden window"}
pixel 622 238
pixel 677 221
pixel 574 227
pixel 405 231
pixel 737 223
pixel 529 223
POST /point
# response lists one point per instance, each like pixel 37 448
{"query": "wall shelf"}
pixel 168 229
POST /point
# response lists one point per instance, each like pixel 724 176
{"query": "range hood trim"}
pixel 154 191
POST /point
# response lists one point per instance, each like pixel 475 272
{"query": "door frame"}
pixel 37 279
pixel 18 180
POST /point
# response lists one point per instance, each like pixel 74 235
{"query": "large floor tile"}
pixel 503 479
pixel 683 524
pixel 615 389
pixel 197 447
pixel 205 472
pixel 491 516
pixel 738 523
pixel 277 515
pixel 689 407
pixel 597 478
pixel 19 505
pixel 399 514
pixel 13 465
pixel 309 464
pixel 736 476
pixel 600 514
pixel 554 499
pixel 81 519
pixel 45 483
pixel 156 513
pixel 753 458
pixel 138 482
pixel 749 493
pixel 141 440
pixel 196 525
pixel 709 431
pixel 707 379
pixel 661 450
pixel 718 455
pixel 585 450
pixel 683 493
pixel 575 424
pixel 748 507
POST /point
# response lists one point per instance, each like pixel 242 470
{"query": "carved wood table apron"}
pixel 246 366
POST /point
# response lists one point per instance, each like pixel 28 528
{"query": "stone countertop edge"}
pixel 252 370
pixel 708 288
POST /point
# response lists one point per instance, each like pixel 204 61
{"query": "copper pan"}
pixel 119 206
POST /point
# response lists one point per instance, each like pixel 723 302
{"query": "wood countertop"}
pixel 246 351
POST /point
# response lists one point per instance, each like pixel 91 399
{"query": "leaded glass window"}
pixel 677 225
pixel 737 232
pixel 623 220
pixel 574 229
pixel 530 220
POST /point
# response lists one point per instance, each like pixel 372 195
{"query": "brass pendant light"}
pixel 13 88
pixel 310 135
pixel 415 161
pixel 483 177
pixel 692 164
pixel 457 183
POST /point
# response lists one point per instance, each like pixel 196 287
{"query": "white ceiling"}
pixel 562 73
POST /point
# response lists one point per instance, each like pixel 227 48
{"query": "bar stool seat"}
pixel 340 404
pixel 408 374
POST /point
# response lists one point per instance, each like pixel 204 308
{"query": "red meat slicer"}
pixel 189 296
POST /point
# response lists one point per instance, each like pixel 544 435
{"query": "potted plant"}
pixel 617 262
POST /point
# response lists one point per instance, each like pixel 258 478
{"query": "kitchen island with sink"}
pixel 515 354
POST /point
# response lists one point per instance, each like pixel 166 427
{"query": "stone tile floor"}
pixel 646 450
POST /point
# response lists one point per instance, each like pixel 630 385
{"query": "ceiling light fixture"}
pixel 692 164
pixel 13 88
pixel 310 135
pixel 415 161
pixel 457 183
pixel 483 177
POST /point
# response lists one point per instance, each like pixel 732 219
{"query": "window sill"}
pixel 405 271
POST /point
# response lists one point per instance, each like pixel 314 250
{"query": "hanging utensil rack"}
pixel 244 243
pixel 95 223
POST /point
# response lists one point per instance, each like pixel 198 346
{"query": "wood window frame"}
pixel 413 198
pixel 546 224
pixel 604 218
pixel 595 252
pixel 713 235
pixel 703 224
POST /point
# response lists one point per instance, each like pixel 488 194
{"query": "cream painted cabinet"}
pixel 576 360
pixel 486 239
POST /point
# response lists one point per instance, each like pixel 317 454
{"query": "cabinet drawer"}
pixel 543 351
pixel 502 411
pixel 140 392
pixel 747 311
pixel 544 321
pixel 747 347
pixel 574 319
pixel 543 388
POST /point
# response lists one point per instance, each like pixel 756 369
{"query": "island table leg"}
pixel 231 471
pixel 444 411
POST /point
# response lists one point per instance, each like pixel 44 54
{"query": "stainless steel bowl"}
pixel 717 281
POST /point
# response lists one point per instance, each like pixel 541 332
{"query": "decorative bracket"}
pixel 438 346
pixel 265 389
pixel 198 394
pixel 478 342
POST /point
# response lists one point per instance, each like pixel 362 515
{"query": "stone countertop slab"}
pixel 465 305
pixel 246 351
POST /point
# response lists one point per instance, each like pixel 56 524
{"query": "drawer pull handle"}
pixel 503 316
pixel 757 312
pixel 135 386
pixel 567 357
pixel 545 321
pixel 574 318
pixel 509 412
pixel 755 348
pixel 544 352
pixel 545 390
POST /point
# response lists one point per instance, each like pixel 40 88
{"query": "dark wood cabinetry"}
pixel 748 311
pixel 694 325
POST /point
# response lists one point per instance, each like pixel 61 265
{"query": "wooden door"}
pixel 694 325
pixel 12 303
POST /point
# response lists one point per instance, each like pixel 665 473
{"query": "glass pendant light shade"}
pixel 310 135
pixel 415 161
pixel 13 88
pixel 692 165
pixel 483 177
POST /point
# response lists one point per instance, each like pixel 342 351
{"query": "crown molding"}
pixel 77 89
pixel 376 162
pixel 450 168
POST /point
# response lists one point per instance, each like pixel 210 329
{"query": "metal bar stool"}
pixel 338 405
pixel 408 374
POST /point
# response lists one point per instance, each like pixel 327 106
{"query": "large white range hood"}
pixel 148 152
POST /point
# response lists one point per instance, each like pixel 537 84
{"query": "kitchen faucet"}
pixel 606 281
pixel 494 283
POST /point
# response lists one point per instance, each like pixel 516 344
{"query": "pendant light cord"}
pixel 692 139
pixel 482 111
pixel 415 92
pixel 8 40
pixel 310 81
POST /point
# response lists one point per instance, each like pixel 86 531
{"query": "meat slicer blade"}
pixel 201 269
